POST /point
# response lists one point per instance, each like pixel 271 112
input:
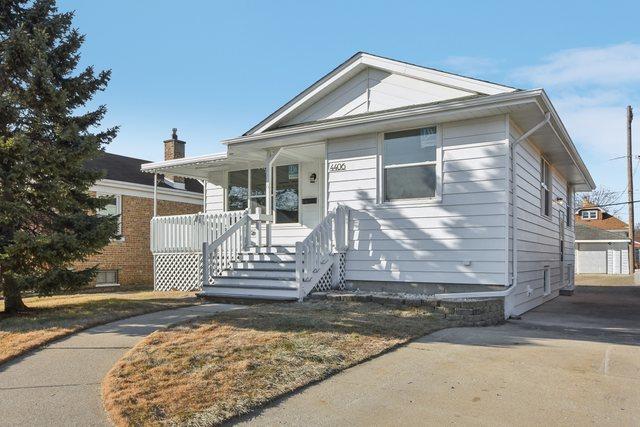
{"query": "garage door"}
pixel 617 259
pixel 591 258
pixel 602 258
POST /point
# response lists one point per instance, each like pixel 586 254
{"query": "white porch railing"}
pixel 185 233
pixel 321 250
pixel 218 255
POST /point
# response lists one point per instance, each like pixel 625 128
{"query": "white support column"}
pixel 204 195
pixel 270 159
pixel 155 195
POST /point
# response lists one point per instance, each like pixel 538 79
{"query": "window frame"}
pixel 589 217
pixel 118 198
pixel 546 188
pixel 274 187
pixel 381 193
pixel 108 284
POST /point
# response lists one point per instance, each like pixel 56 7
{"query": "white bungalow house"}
pixel 384 175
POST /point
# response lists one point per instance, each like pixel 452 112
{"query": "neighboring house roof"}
pixel 586 232
pixel 608 222
pixel 127 169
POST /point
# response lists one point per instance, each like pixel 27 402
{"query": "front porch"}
pixel 265 231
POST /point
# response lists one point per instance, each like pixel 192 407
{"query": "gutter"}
pixel 514 253
pixel 449 106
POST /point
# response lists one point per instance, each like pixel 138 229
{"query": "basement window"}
pixel 409 164
pixel 546 277
pixel 107 278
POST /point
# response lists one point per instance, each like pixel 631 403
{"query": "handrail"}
pixel 314 255
pixel 218 255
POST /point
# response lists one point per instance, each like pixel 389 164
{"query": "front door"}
pixel 310 189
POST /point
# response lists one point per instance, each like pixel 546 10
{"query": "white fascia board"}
pixel 109 186
pixel 351 66
pixel 566 140
pixel 604 241
pixel 501 100
pixel 159 167
pixel 435 76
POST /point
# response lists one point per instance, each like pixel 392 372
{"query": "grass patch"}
pixel 53 317
pixel 210 370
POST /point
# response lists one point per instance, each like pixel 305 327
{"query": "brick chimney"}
pixel 174 149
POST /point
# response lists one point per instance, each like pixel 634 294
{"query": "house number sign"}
pixel 336 167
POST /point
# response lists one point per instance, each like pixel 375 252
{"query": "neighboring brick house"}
pixel 128 260
pixel 602 242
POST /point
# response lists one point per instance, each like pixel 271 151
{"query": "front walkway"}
pixel 60 384
pixel 572 361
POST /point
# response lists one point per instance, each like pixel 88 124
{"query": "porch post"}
pixel 267 189
pixel 155 195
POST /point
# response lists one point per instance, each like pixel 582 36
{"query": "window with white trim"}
pixel 113 207
pixel 545 187
pixel 546 277
pixel 589 214
pixel 409 164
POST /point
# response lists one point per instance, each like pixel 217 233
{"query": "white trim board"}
pixel 109 186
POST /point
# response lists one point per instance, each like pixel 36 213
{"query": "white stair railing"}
pixel 315 254
pixel 218 255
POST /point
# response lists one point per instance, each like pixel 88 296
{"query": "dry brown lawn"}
pixel 211 370
pixel 53 317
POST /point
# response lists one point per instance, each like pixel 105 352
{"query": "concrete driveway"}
pixel 572 361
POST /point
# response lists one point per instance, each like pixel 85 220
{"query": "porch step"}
pixel 256 283
pixel 274 249
pixel 270 257
pixel 288 274
pixel 264 265
pixel 252 293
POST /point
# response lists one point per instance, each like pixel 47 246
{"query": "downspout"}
pixel 514 237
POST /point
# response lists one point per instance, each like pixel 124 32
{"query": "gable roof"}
pixel 586 232
pixel 460 85
pixel 128 169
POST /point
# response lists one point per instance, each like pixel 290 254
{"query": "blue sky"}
pixel 214 69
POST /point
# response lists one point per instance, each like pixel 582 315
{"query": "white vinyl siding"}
pixel 428 241
pixel 215 193
pixel 538 236
pixel 374 90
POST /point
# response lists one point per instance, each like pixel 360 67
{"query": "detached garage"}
pixel 601 251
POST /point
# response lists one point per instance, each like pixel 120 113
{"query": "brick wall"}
pixel 132 256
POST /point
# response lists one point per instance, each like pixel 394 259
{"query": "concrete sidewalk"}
pixel 557 366
pixel 59 385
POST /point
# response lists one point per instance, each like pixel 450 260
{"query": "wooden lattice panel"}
pixel 178 271
pixel 328 281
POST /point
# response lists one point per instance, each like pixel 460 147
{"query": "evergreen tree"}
pixel 46 136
